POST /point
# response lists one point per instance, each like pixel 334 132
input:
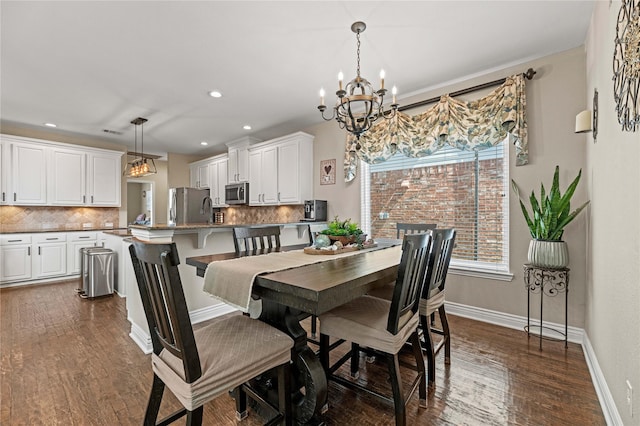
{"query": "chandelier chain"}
pixel 358 54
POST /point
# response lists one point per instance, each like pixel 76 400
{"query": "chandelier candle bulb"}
pixel 394 92
pixel 340 78
pixel 381 79
pixel 321 97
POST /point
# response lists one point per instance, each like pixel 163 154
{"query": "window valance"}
pixel 472 125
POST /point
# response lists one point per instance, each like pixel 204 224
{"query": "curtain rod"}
pixel 528 75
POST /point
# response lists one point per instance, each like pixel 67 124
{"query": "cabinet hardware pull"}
pixel 14 196
pixel 28 251
pixel 85 237
pixel 52 239
pixel 84 199
pixel 14 241
pixel 278 196
pixel 3 196
pixel 92 199
pixel 39 251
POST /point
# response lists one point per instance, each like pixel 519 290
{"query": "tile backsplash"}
pixel 32 218
pixel 240 215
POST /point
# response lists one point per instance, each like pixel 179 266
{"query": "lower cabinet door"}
pixel 50 259
pixel 15 263
pixel 74 260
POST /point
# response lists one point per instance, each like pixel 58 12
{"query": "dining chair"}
pixel 254 238
pixel 412 228
pixel 386 291
pixel 433 298
pixel 197 366
pixel 383 327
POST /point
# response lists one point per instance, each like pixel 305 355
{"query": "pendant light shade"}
pixel 141 165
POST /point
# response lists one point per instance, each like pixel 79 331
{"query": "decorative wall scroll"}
pixel 626 66
pixel 328 172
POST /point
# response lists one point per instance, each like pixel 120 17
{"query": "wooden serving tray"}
pixel 312 250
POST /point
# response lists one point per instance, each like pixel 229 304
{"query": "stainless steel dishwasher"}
pixel 97 272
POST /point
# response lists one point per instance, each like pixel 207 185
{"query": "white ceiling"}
pixel 88 66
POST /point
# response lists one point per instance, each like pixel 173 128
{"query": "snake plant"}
pixel 552 212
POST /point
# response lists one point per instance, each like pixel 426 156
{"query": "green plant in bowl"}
pixel 344 231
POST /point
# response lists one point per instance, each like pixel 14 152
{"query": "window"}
pixel 465 190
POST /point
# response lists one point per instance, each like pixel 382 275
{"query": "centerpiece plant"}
pixel 344 231
pixel 547 220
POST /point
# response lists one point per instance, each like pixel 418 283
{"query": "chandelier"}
pixel 139 166
pixel 358 105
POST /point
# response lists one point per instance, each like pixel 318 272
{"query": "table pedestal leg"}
pixel 309 380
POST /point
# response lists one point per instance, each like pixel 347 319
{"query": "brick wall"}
pixel 445 195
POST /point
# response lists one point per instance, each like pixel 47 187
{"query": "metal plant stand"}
pixel 549 282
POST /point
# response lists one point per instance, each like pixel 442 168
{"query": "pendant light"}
pixel 140 166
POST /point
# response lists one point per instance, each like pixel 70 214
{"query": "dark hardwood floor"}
pixel 65 360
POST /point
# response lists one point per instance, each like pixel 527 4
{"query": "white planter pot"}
pixel 548 254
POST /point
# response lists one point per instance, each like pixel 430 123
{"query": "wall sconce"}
pixel 583 122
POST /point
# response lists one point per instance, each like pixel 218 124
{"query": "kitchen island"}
pixel 193 240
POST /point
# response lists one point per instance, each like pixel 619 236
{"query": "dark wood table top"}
pixel 320 287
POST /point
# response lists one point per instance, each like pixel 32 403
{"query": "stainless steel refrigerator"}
pixel 189 205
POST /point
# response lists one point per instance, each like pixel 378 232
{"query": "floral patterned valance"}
pixel 473 125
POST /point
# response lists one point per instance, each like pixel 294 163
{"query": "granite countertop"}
pixel 196 226
pixel 121 232
pixel 61 229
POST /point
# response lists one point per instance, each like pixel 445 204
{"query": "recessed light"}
pixel 215 94
pixel 246 127
pixel 50 125
pixel 203 143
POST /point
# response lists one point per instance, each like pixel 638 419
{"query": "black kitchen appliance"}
pixel 315 210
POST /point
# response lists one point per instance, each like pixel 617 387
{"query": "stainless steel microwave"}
pixel 236 193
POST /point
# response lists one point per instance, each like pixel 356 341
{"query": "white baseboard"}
pixel 209 312
pixel 142 339
pixel 575 335
pixel 611 414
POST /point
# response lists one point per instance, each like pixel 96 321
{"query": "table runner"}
pixel 231 281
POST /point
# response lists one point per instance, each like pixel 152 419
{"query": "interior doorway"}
pixel 140 196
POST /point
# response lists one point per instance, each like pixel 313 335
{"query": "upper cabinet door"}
pixel 232 165
pixel 104 171
pixel 270 175
pixel 29 177
pixel 255 177
pixel 218 177
pixel 67 177
pixel 289 175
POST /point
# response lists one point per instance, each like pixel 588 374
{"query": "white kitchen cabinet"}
pixel 218 180
pixel 263 181
pixel 199 172
pixel 49 255
pixel 75 242
pixel 29 174
pixel 15 258
pixel 281 170
pixel 238 166
pixel 4 167
pixel 67 177
pixel 103 179
pixel 39 172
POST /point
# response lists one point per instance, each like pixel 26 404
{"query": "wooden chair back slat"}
pixel 410 279
pixel 156 270
pixel 248 239
pixel 441 249
pixel 413 228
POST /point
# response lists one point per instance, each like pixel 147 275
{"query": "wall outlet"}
pixel 630 398
pixel 87 225
pixel 108 224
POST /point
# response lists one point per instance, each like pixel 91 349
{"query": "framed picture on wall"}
pixel 328 172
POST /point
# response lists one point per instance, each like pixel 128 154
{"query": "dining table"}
pixel 292 294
